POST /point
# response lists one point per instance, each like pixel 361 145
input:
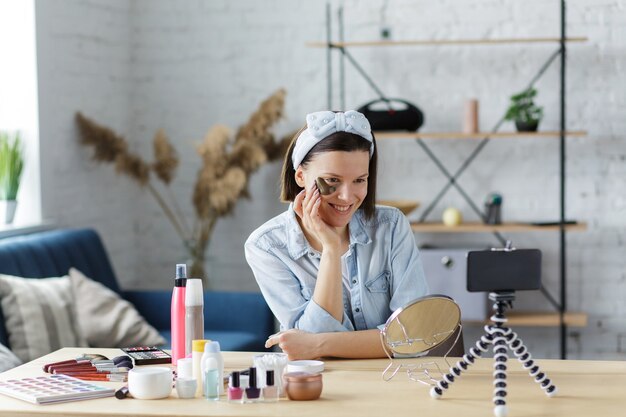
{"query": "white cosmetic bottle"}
pixel 212 351
pixel 194 313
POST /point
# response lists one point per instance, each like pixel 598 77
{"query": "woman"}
pixel 334 267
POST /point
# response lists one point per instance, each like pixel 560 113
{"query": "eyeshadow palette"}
pixel 53 389
pixel 148 355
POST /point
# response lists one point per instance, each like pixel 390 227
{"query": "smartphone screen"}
pixel 500 270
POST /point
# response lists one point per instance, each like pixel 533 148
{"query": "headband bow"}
pixel 322 124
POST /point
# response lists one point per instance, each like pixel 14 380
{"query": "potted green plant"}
pixel 11 164
pixel 524 112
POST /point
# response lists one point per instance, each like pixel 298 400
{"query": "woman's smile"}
pixel 341 208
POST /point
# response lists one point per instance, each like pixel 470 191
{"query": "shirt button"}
pixel 354 281
pixel 357 309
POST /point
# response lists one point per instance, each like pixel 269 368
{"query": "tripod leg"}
pixel 523 355
pixel 500 358
pixel 481 347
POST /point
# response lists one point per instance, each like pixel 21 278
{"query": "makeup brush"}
pixel 84 358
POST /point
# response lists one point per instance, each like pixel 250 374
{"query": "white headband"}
pixel 322 124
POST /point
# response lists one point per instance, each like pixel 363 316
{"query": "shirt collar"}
pixel 298 245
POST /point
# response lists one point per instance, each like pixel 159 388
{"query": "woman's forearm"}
pixel 359 344
pixel 297 344
pixel 328 292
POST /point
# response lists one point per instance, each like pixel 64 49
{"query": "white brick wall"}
pixel 185 66
pixel 83 56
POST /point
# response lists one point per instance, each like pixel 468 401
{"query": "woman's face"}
pixel 348 173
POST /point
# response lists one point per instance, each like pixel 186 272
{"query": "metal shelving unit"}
pixel 562 318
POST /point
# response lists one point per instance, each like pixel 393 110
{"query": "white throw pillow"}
pixel 40 315
pixel 106 319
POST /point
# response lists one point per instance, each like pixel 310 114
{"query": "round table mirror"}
pixel 420 326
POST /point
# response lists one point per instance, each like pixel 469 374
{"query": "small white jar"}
pixel 186 387
pixel 150 383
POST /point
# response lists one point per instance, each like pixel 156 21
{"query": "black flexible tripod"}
pixel 500 336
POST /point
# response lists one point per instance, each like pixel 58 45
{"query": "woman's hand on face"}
pixel 307 207
pixel 297 344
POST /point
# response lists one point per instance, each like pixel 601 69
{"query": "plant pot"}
pixel 7 211
pixel 526 126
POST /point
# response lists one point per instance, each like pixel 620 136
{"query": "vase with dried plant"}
pixel 227 164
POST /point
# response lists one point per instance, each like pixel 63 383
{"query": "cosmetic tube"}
pixel 178 314
pixel 194 312
pixel 235 392
pixel 253 393
pixel 212 380
pixel 270 391
pixel 198 350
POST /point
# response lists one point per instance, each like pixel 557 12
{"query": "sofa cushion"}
pixel 40 315
pixel 107 320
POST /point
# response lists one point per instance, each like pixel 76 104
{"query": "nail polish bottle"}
pixel 270 391
pixel 235 393
pixel 253 393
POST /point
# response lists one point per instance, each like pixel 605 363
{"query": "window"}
pixel 18 100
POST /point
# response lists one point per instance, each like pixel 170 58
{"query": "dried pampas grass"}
pixel 166 157
pixel 227 164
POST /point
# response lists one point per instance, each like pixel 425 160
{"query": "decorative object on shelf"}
pixel 452 217
pixel 405 206
pixel 222 180
pixel 11 164
pixel 470 116
pixel 524 112
pixel 392 114
pixel 493 209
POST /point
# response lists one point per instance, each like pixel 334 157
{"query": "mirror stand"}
pixel 423 370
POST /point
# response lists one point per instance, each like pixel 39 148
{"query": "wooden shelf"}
pixel 504 41
pixel 480 135
pixel 489 228
pixel 540 319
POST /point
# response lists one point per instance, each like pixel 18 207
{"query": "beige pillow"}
pixel 106 319
pixel 39 315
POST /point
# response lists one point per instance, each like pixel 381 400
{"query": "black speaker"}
pixel 392 114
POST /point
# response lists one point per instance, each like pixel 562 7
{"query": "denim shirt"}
pixel 383 264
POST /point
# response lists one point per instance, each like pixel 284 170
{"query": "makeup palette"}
pixel 148 355
pixel 53 389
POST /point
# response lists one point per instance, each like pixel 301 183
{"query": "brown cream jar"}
pixel 302 386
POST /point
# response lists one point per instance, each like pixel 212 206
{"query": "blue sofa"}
pixel 239 321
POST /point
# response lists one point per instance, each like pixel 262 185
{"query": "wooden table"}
pixel 356 388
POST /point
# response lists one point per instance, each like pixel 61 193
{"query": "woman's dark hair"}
pixel 339 141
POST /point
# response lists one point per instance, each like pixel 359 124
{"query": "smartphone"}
pixel 323 186
pixel 500 270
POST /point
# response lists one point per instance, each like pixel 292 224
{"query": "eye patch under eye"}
pixel 323 186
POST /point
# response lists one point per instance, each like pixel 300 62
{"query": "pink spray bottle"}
pixel 178 313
